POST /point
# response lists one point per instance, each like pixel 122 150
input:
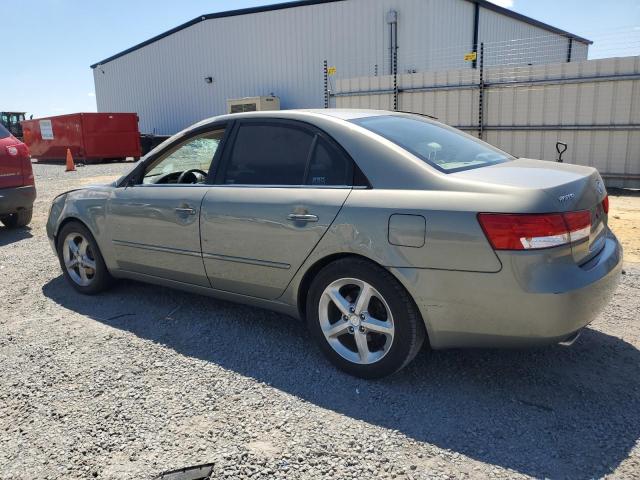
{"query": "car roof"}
pixel 347 113
pixel 344 114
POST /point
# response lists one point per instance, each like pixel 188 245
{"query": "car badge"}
pixel 567 197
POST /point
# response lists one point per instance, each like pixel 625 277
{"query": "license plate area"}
pixel 596 237
pixel 589 247
pixel 596 240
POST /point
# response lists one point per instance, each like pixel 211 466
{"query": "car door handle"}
pixel 302 217
pixel 187 210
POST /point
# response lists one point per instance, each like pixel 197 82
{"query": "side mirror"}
pixel 129 182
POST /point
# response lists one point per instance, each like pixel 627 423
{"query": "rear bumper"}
pixel 530 302
pixel 17 198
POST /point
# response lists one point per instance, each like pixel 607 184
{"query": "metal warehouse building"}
pixel 189 72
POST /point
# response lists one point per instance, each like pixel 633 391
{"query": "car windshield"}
pixel 4 133
pixel 445 148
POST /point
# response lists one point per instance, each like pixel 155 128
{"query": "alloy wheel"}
pixel 79 259
pixel 356 321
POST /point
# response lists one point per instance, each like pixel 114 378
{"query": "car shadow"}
pixel 553 412
pixel 12 235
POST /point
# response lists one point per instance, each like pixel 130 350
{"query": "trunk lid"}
pixel 568 188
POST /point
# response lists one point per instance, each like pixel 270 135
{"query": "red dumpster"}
pixel 92 137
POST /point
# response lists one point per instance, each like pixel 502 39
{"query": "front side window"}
pixel 442 147
pixel 269 155
pixel 189 163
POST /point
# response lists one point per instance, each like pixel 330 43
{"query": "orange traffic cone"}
pixel 71 167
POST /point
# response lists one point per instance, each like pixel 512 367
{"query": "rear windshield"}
pixel 445 148
pixel 4 133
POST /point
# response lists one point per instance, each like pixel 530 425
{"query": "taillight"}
pixel 21 151
pixel 578 224
pixel 605 204
pixel 13 151
pixel 533 231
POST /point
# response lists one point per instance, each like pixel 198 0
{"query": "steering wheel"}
pixel 195 173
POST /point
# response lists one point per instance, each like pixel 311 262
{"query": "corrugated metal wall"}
pixel 282 52
pixel 579 52
pixel 593 106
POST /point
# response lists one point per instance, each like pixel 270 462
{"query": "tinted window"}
pixel 445 148
pixel 269 155
pixel 4 133
pixel 329 166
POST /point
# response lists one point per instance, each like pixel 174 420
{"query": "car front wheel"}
pixel 363 319
pixel 81 260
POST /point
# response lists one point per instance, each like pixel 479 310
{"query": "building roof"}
pixel 303 3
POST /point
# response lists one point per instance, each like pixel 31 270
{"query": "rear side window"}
pixel 445 148
pixel 4 133
pixel 328 166
pixel 269 155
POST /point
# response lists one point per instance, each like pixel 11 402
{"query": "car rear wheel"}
pixel 81 260
pixel 22 218
pixel 363 319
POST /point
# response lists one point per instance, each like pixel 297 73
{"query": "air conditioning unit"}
pixel 253 104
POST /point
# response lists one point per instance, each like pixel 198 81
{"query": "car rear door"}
pixel 154 224
pixel 280 187
pixel 10 161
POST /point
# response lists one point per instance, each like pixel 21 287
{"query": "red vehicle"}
pixel 91 137
pixel 17 185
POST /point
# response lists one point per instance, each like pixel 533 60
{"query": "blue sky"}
pixel 51 43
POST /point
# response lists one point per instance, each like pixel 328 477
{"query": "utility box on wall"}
pixel 253 104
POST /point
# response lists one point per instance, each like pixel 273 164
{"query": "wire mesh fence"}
pixel 523 95
pixel 511 55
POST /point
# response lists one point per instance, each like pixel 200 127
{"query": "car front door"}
pixel 154 221
pixel 280 186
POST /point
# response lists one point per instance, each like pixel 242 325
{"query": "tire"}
pixel 21 218
pixel 96 277
pixel 382 334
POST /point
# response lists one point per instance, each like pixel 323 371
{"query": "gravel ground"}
pixel 144 379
